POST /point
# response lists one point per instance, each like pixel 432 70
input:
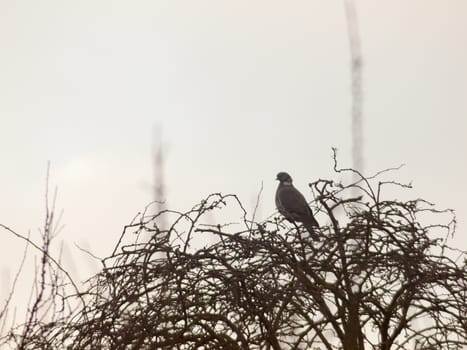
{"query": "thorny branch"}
pixel 379 278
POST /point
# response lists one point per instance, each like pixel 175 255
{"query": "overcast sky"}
pixel 241 90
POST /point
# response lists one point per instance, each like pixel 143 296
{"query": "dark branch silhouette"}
pixel 381 277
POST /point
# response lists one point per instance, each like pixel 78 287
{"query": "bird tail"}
pixel 311 227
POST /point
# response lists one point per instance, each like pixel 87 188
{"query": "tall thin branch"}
pixel 357 85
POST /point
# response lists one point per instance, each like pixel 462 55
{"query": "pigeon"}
pixel 293 206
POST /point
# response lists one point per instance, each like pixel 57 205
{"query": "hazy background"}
pixel 241 90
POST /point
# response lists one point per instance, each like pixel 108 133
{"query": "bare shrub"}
pixel 381 277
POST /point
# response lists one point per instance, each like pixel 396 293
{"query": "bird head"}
pixel 283 177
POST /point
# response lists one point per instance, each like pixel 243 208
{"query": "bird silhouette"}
pixel 293 205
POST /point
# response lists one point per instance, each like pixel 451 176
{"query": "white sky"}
pixel 242 90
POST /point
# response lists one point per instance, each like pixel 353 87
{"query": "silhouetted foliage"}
pixel 381 277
